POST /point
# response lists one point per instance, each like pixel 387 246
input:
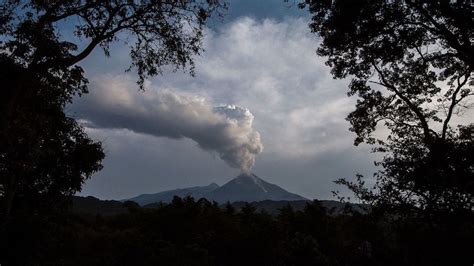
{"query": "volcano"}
pixel 245 187
pixel 249 187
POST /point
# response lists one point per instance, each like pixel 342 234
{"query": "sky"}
pixel 261 101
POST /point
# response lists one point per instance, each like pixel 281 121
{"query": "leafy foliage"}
pixel 411 66
pixel 159 33
pixel 45 155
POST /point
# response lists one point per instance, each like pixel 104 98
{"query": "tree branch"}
pixel 465 52
pixel 415 109
pixel 454 102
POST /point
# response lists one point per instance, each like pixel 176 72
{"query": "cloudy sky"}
pixel 261 101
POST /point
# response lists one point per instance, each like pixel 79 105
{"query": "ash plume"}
pixel 226 130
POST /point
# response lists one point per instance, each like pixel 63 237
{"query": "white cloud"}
pixel 271 67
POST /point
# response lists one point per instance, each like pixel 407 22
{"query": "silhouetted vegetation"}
pixel 411 67
pixel 189 232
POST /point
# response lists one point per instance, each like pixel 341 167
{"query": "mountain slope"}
pixel 249 187
pixel 245 187
pixel 167 196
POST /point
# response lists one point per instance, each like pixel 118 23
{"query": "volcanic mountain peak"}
pixel 213 185
pixel 249 187
pixel 245 187
pixel 250 179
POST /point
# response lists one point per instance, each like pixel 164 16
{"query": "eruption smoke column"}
pixel 226 129
pixel 247 141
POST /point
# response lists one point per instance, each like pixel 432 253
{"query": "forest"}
pixel 199 232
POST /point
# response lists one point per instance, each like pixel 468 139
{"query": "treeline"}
pixel 190 232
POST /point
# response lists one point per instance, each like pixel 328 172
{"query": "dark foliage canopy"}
pixel 411 64
pixel 199 232
pixel 159 32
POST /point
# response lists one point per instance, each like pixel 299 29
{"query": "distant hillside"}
pixel 167 196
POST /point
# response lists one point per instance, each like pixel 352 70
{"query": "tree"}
pixel 45 155
pixel 411 64
pixel 41 149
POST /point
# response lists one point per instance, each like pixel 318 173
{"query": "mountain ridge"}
pixel 167 195
pixel 245 187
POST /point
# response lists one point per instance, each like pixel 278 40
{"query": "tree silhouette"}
pixel 41 149
pixel 411 66
pixel 44 154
